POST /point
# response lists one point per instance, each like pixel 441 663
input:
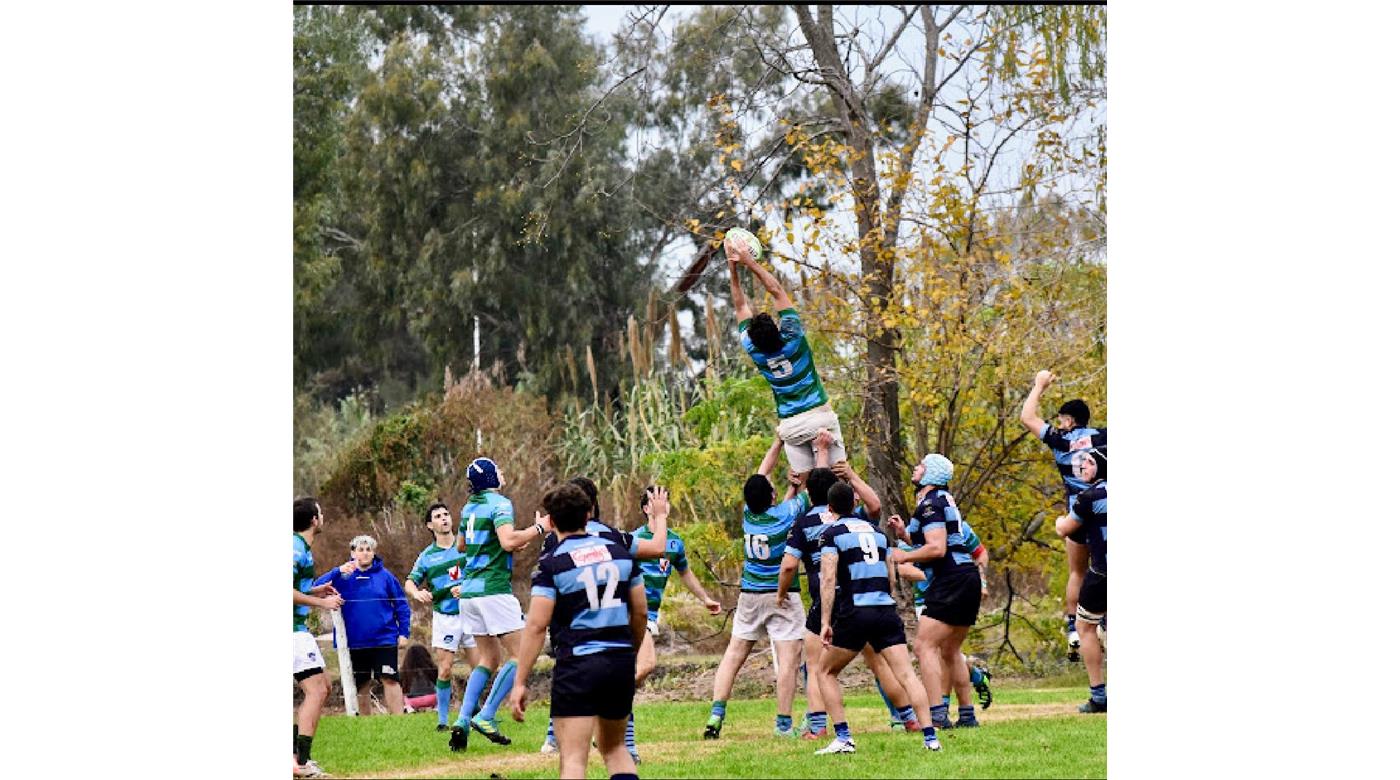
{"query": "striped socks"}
pixel 717 709
pixel 817 721
pixel 783 723
pixel 1099 693
pixel 631 733
pixel 843 732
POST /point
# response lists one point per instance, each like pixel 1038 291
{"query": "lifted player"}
pixel 1071 433
pixel 779 349
pixel 857 585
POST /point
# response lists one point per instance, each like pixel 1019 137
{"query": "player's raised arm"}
pixel 768 280
pixel 742 310
pixel 1030 410
pixel 770 458
pixel 513 538
pixel 657 510
pixel 867 495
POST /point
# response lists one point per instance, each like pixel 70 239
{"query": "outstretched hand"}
pixel 658 502
pixel 1043 378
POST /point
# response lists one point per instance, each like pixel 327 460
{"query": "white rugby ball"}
pixel 740 234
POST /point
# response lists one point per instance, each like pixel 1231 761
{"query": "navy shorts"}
pixel 880 627
pixel 954 597
pixel 1093 596
pixel 814 618
pixel 600 684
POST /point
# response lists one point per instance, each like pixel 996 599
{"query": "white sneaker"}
pixel 933 745
pixel 309 769
pixel 837 746
pixel 550 747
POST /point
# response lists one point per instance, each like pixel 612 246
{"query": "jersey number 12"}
pixel 590 582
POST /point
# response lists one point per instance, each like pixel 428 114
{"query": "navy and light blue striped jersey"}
pixel 920 588
pixel 804 544
pixel 765 536
pixel 790 371
pixel 1063 444
pixel 862 575
pixel 937 508
pixel 1090 507
pixel 589 579
pixel 596 527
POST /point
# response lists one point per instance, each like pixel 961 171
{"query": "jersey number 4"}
pixel 756 546
pixel 590 583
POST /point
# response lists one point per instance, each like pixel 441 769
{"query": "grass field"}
pixel 1031 730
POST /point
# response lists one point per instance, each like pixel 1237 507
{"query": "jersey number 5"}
pixel 590 582
pixel 780 367
pixel 756 546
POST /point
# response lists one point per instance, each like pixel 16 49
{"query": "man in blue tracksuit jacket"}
pixel 376 621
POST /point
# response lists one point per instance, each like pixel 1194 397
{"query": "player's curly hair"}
pixel 568 507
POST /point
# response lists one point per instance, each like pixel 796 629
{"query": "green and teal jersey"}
pixel 303 574
pixel 656 573
pixel 790 371
pixel 765 539
pixel 438 569
pixel 488 565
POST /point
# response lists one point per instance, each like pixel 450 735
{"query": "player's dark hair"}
pixel 841 498
pixel 763 332
pixel 758 493
pixel 304 510
pixel 646 494
pixel 567 506
pixel 1078 410
pixel 1102 462
pixel 819 481
pixel 418 671
pixel 428 515
pixel 589 489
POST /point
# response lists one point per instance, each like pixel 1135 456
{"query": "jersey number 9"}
pixel 869 547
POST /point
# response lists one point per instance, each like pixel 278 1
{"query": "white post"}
pixel 347 673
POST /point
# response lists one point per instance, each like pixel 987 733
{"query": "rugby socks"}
pixel 905 714
pixel 968 713
pixel 444 700
pixel 303 748
pixel 975 675
pixel 717 709
pixel 549 735
pixel 783 723
pixel 505 680
pixel 843 732
pixel 1099 693
pixel 631 733
pixel 817 720
pixel 939 712
pixel 475 685
pixel 1069 623
pixel 889 705
pixel 930 734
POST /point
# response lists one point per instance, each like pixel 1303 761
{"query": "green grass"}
pixel 1031 730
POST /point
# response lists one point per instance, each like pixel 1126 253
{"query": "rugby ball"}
pixel 740 234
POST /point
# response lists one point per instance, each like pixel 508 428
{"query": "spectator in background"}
pixel 376 621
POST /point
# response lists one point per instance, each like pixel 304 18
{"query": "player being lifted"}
pixel 1070 434
pixel 1089 513
pixel 779 349
pixel 857 586
pixel 954 595
pixel 439 568
pixel 596 632
pixel 765 533
pixel 490 611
